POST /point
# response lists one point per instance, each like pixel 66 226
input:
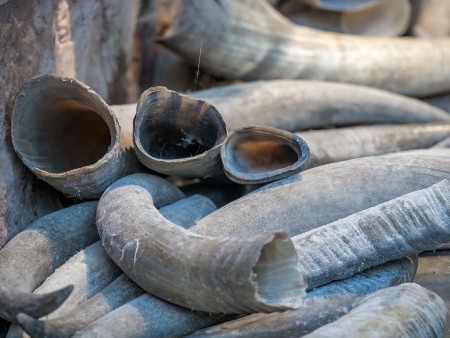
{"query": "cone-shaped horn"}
pixel 69 137
pixel 96 269
pixel 321 305
pixel 253 41
pixel 30 257
pixel 384 312
pixel 230 275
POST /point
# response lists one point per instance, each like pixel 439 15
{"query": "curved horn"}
pixel 362 183
pixel 246 42
pixel 340 144
pixel 139 238
pixel 69 137
pixel 382 18
pixel 120 291
pixel 404 226
pixel 31 256
pixel 384 312
pixel 301 105
pixel 423 223
pixel 320 306
pixel 97 270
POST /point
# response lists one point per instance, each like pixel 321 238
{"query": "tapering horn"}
pixel 338 190
pixel 320 306
pixel 256 42
pixel 381 18
pixel 333 145
pixel 70 138
pixel 321 265
pixel 384 312
pixel 301 105
pixel 139 238
pixel 93 272
pixel 32 255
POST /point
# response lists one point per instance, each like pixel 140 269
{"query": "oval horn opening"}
pixel 262 154
pixel 175 134
pixel 60 124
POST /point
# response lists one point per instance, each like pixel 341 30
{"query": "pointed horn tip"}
pixel 47 303
pixel 34 327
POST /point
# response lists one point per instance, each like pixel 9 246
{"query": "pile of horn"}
pixel 284 207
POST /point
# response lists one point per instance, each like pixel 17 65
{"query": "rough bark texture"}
pixel 90 40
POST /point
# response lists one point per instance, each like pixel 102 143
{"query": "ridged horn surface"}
pixel 32 255
pixel 69 137
pixel 407 310
pixel 120 291
pixel 320 306
pixel 337 190
pixel 404 226
pixel 348 246
pixel 256 154
pixel 178 135
pixel 260 273
pixel 248 42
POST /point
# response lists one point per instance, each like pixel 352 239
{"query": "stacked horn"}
pixel 295 187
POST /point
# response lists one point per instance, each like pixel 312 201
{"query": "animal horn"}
pixel 139 238
pixel 256 42
pixel 69 137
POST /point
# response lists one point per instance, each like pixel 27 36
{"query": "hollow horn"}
pixel 69 137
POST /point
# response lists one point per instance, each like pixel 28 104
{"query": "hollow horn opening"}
pixel 178 135
pixel 59 124
pixel 262 154
pixel 176 126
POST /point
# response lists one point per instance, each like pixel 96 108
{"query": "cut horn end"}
pixel 280 284
pixel 254 154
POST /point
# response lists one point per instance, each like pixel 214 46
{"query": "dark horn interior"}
pixel 57 133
